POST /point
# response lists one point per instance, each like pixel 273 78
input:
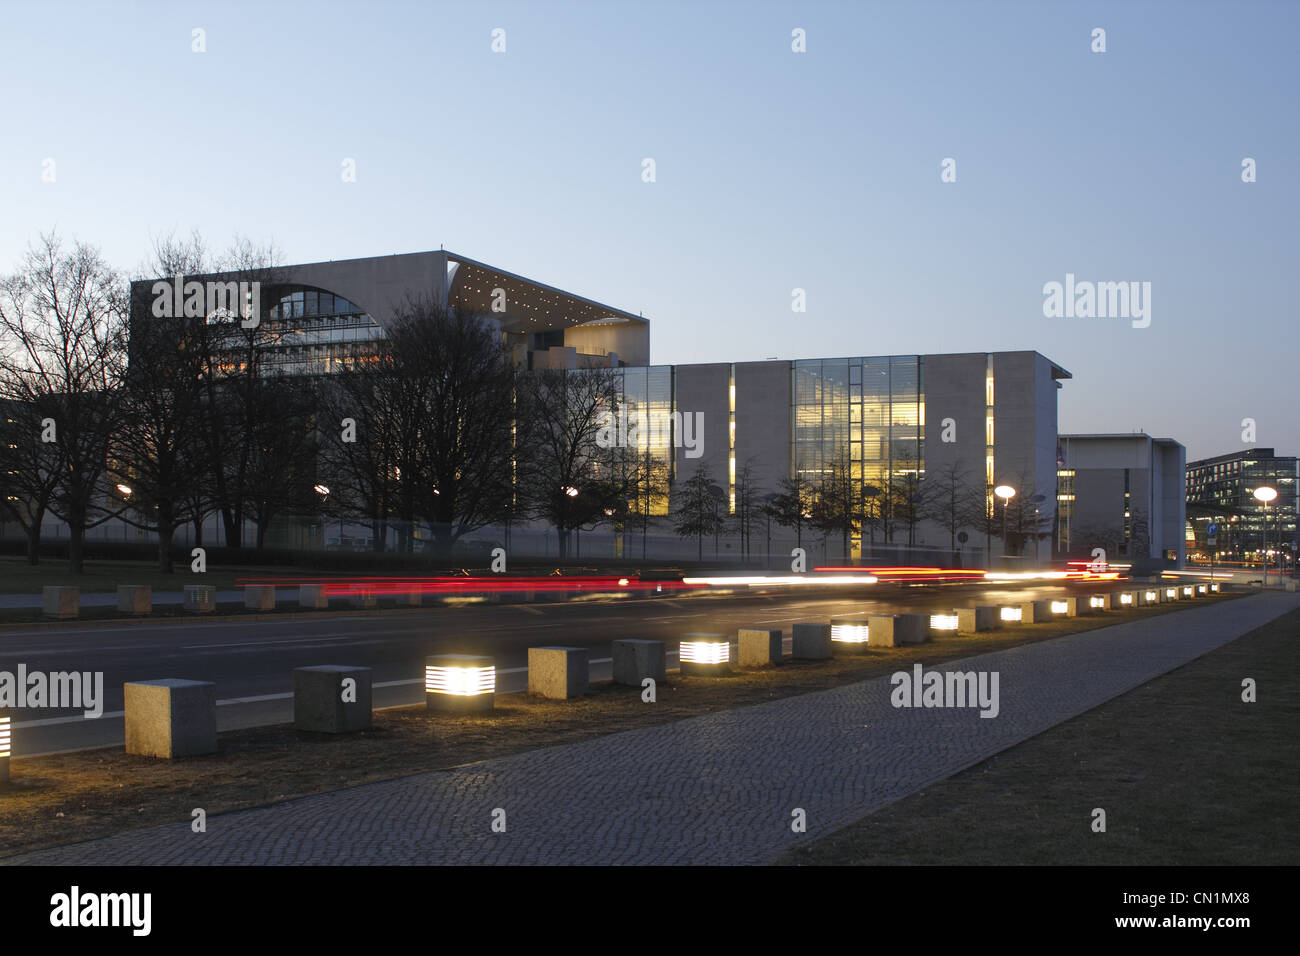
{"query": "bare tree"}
pixel 565 476
pixel 952 499
pixel 697 513
pixel 63 319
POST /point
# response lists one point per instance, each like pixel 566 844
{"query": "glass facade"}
pixel 868 412
pixel 312 329
pixel 1222 490
pixel 646 399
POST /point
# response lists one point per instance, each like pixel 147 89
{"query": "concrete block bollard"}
pixel 897 630
pixel 313 596
pixel 812 642
pixel 1077 606
pixel 1035 612
pixel 409 598
pixel 135 599
pixel 635 660
pixel 332 698
pixel 170 718
pixel 971 620
pixel 200 598
pixel 1148 596
pixel 60 601
pixel 259 597
pixel 759 647
pixel 557 673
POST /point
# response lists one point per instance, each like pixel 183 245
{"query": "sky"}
pixel 773 170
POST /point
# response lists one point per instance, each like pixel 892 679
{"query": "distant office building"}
pixel 1124 494
pixel 1221 491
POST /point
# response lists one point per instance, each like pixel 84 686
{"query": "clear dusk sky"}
pixel 774 170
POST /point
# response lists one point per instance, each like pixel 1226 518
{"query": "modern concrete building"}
pixel 1221 491
pixel 1124 494
pixel 318 313
pixel 903 433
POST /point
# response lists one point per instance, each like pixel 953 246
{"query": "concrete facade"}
pixel 1125 494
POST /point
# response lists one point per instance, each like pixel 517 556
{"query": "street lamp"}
pixel 124 490
pixel 1006 493
pixel 1265 494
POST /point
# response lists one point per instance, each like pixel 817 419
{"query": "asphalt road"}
pixel 251 661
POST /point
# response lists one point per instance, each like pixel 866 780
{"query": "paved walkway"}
pixel 717 789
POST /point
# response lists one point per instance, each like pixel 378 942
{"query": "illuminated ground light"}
pixel 704 654
pixel 1201 589
pixel 1126 598
pixel 1215 587
pixel 4 750
pixel 1097 601
pixel 851 632
pixel 1189 591
pixel 1151 596
pixel 943 622
pixel 1060 607
pixel 1012 613
pixel 1171 593
pixel 459 682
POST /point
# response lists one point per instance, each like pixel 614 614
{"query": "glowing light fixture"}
pixel 124 490
pixel 849 630
pixel 1171 593
pixel 4 749
pixel 1126 598
pixel 1151 596
pixel 1189 591
pixel 1202 589
pixel 1012 613
pixel 1097 601
pixel 943 622
pixel 459 682
pixel 322 490
pixel 704 654
pixel 1060 607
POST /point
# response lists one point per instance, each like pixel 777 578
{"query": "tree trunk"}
pixel 34 540
pixel 76 538
pixel 166 529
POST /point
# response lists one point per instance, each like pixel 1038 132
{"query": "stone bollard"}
pixel 259 597
pixel 812 642
pixel 409 598
pixel 459 683
pixel 332 699
pixel 971 620
pixel 635 660
pixel 1077 606
pixel 200 598
pixel 135 599
pixel 60 601
pixel 759 647
pixel 896 630
pixel 557 673
pixel 170 717
pixel 313 596
pixel 1148 596
pixel 1113 601
pixel 1035 612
